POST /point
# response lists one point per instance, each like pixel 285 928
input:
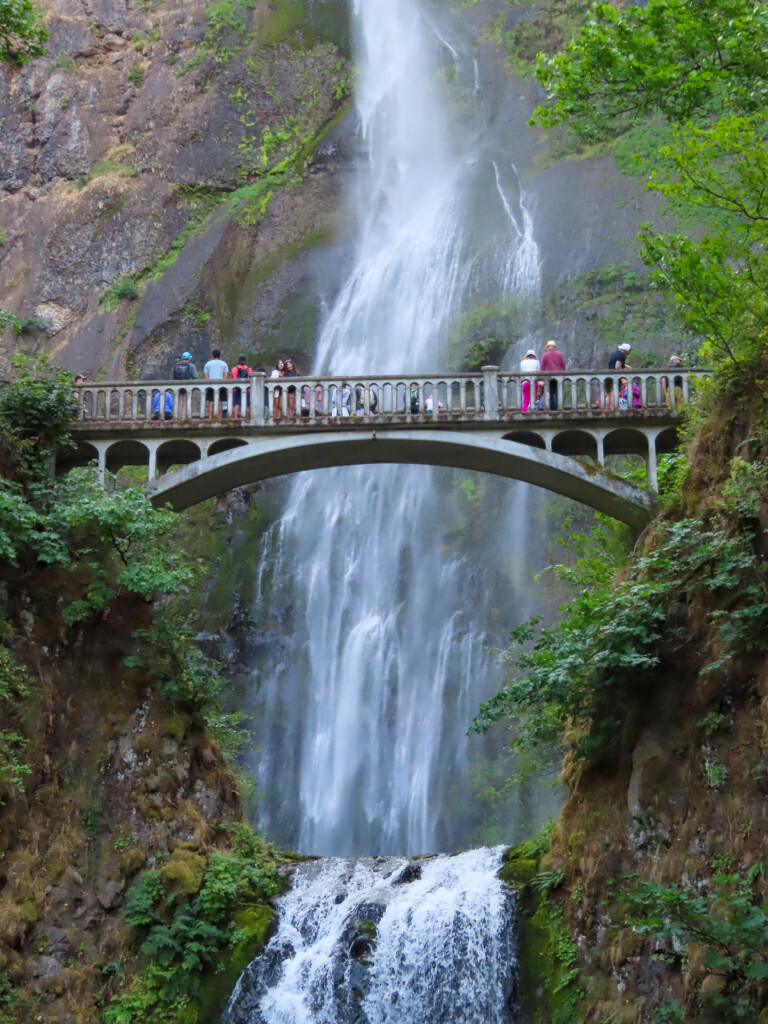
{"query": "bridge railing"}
pixel 593 392
pixel 488 395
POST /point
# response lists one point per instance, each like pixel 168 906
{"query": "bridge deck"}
pixel 490 396
pixel 292 424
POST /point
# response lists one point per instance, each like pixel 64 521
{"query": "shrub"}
pixel 123 289
pixel 589 668
pixel 187 934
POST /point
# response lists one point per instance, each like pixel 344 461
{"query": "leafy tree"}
pixel 22 36
pixel 702 69
pixel 586 671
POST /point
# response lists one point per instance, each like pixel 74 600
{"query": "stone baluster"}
pixel 490 392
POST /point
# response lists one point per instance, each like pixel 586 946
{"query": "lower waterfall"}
pixel 388 940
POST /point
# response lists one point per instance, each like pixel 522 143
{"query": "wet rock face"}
pixel 135 126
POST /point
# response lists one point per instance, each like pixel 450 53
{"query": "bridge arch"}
pixel 626 441
pixel 488 452
pixel 179 451
pixel 575 442
pixel 529 437
pixel 225 444
pixel 126 453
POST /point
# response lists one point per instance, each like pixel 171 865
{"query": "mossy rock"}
pixel 518 871
pixel 131 861
pixel 256 924
pixel 183 872
pixel 176 726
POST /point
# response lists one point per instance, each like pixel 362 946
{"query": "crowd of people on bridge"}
pixel 627 395
pixel 537 394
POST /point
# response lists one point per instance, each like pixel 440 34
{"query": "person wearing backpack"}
pixel 183 369
pixel 240 372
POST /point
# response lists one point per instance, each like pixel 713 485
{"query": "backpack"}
pixel 182 370
pixel 242 372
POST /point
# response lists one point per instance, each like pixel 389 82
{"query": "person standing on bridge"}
pixel 183 369
pixel 529 364
pixel 240 372
pixel 291 371
pixel 617 360
pixel 675 362
pixel 553 361
pixel 277 394
pixel 215 369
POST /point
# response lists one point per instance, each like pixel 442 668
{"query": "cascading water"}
pixel 378 658
pixel 387 942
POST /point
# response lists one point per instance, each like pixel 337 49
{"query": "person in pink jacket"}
pixel 529 364
pixel 553 361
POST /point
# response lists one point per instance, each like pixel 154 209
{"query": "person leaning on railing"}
pixel 674 362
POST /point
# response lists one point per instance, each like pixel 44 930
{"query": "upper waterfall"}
pixel 364 710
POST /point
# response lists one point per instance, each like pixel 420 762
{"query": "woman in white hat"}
pixel 617 360
pixel 529 364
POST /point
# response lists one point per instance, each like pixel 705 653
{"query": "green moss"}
pixel 28 910
pixel 176 726
pixel 303 24
pixel 183 872
pixel 518 870
pixel 551 984
pixel 369 928
pixel 254 924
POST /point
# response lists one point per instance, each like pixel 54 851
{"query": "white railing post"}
pixel 257 398
pixel 491 392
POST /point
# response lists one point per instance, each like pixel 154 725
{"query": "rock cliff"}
pixel 157 162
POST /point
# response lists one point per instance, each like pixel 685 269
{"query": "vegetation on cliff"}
pixel 112 752
pixel 22 35
pixel 657 679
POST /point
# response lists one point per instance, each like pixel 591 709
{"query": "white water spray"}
pixel 387 942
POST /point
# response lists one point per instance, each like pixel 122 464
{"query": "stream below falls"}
pixel 388 940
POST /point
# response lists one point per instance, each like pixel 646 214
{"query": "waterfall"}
pixel 378 657
pixel 389 941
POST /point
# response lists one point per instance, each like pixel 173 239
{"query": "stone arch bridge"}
pixel 266 427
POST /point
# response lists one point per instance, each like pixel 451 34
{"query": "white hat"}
pixel 551 344
pixel 625 346
pixel 530 352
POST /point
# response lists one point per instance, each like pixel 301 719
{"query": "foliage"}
pixel 181 671
pixel 22 35
pixel 124 288
pixel 544 881
pixel 727 920
pixel 131 549
pixel 20 324
pixel 586 671
pixel 702 70
pixel 667 56
pixel 16 696
pixel 539 844
pixel 186 934
pixel 115 541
